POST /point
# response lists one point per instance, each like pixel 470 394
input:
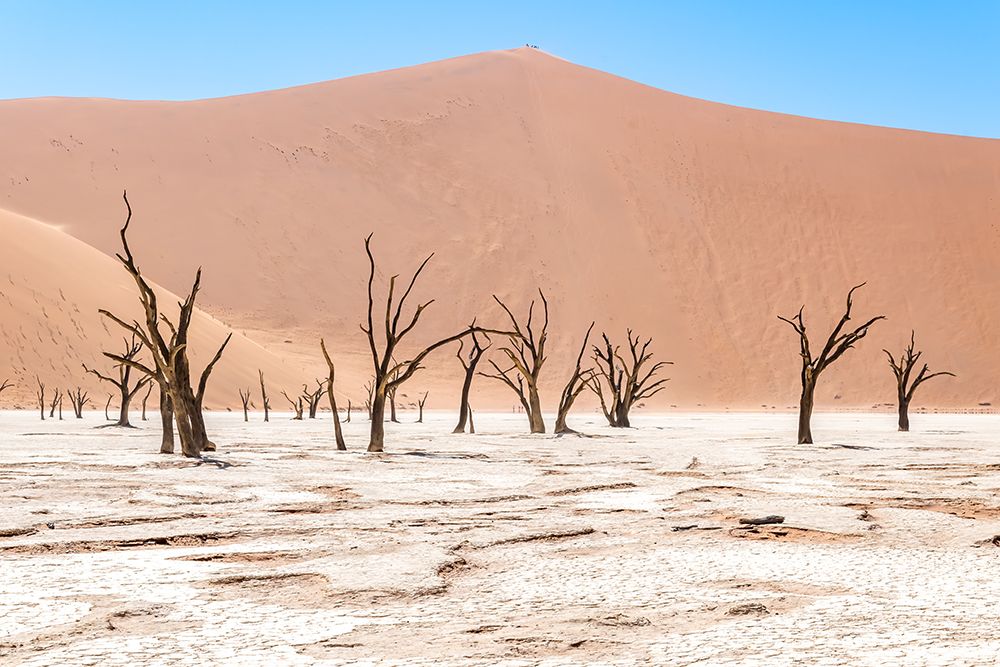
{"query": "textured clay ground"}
pixel 622 547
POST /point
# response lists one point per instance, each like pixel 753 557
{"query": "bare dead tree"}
pixel 171 367
pixel 626 380
pixel 338 433
pixel 348 420
pixel 469 361
pixel 420 407
pixel 107 406
pixel 526 353
pixel 145 398
pixel 56 403
pixel 78 400
pixel 472 424
pixel 123 380
pixel 837 344
pixel 391 395
pixel 245 399
pixel 369 391
pixel 906 384
pixel 576 384
pixel 389 376
pixel 263 397
pixel 312 398
pixel 41 397
pixel 297 405
pixel 166 417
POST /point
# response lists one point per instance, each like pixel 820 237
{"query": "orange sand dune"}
pixel 691 221
pixel 49 324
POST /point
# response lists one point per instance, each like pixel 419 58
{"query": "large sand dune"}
pixel 691 221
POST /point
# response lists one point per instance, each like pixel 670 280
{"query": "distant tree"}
pixel 145 398
pixel 627 380
pixel 526 353
pixel 265 401
pixel 78 400
pixel 576 384
pixel 41 397
pixel 420 406
pixel 906 383
pixel 389 375
pixel 338 433
pixel 245 400
pixel 469 361
pixel 122 381
pixel 312 398
pixel 837 344
pixel 56 404
pixel 297 406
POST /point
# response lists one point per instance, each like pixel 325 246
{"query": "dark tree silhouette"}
pixel 338 433
pixel 123 381
pixel 41 397
pixel 627 380
pixel 837 344
pixel 56 403
pixel 469 362
pixel 297 406
pixel 78 400
pixel 245 400
pixel 576 384
pixel 265 401
pixel 312 398
pixel 171 367
pixel 145 398
pixel 420 407
pixel 906 383
pixel 389 375
pixel 526 353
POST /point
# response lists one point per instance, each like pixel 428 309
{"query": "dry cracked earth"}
pixel 622 547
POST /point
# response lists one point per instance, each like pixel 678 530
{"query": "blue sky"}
pixel 923 65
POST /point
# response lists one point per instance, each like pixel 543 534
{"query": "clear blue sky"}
pixel 916 64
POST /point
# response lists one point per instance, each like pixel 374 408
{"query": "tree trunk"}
pixel 392 408
pixel 904 415
pixel 535 413
pixel 805 413
pixel 378 422
pixel 463 410
pixel 472 424
pixel 167 420
pixel 123 410
pixel 420 418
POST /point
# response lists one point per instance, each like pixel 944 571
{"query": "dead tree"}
pixel 526 353
pixel 837 344
pixel 469 362
pixel 107 406
pixel 388 375
pixel 338 433
pixel 420 407
pixel 263 397
pixel 297 405
pixel 122 382
pixel 576 384
pixel 906 384
pixel 166 418
pixel 56 403
pixel 77 401
pixel 391 395
pixel 369 391
pixel 145 398
pixel 312 398
pixel 348 420
pixel 472 424
pixel 41 397
pixel 245 399
pixel 171 367
pixel 626 380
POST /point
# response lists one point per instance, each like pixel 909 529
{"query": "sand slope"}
pixel 692 221
pixel 50 293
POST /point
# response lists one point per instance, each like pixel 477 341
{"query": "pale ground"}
pixel 503 548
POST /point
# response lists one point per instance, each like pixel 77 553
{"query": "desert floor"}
pixel 503 548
